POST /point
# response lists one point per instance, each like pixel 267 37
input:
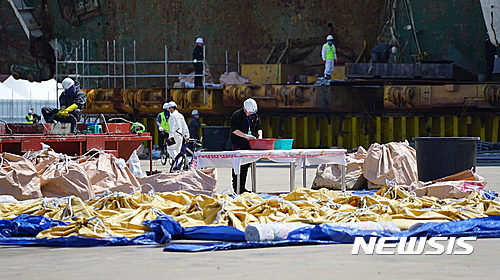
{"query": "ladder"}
pixel 26 19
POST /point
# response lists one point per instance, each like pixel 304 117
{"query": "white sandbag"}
pixel 329 175
pixel 5 198
pixel 394 161
pixel 454 186
pixel 19 177
pixel 233 78
pixel 271 232
pixel 134 164
pixel 203 181
pixel 389 227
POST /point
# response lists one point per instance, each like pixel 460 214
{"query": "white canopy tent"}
pixel 46 90
pixel 7 93
pixel 18 96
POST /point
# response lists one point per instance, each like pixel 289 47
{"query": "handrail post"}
pixel 135 66
pixel 227 63
pixel 166 73
pixel 124 69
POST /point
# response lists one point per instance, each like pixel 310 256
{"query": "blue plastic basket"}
pixel 283 144
pixel 96 129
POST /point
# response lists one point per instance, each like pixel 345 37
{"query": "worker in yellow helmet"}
pixel 72 101
pixel 329 56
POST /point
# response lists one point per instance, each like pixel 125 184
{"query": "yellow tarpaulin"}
pixel 120 214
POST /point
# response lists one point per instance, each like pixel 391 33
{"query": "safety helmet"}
pixel 329 37
pixel 394 50
pixel 171 104
pixel 165 106
pixel 250 106
pixel 199 41
pixel 194 112
pixel 67 83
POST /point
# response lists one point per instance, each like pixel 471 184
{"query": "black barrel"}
pixel 438 157
pixel 215 137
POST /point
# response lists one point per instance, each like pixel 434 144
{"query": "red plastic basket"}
pixel 262 144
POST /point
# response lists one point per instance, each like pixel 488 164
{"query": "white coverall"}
pixel 329 55
pixel 177 123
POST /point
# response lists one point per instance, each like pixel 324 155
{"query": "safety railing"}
pixel 117 70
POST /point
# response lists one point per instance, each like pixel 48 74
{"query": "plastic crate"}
pixel 95 129
pixel 262 144
pixel 283 144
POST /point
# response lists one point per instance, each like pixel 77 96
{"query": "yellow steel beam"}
pixel 366 134
pixel 340 136
pixel 442 126
pixel 293 128
pixel 469 126
pixel 390 127
pixel 403 128
pixel 416 126
pixel 351 132
pixel 330 132
pixel 482 130
pixel 455 126
pixel 354 130
pixel 378 130
pixel 494 129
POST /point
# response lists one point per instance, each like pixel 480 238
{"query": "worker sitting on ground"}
pixel 31 117
pixel 380 53
pixel 72 100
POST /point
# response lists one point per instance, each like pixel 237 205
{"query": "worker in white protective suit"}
pixel 177 125
pixel 329 56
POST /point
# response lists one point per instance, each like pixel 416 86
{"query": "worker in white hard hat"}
pixel 163 126
pixel 380 53
pixel 32 117
pixel 178 129
pixel 245 124
pixel 194 124
pixel 71 101
pixel 198 62
pixel 329 56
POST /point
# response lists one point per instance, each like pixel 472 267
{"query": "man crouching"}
pixel 72 101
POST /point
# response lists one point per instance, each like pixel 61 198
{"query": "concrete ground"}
pixel 293 262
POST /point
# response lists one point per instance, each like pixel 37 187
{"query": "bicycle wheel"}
pixel 179 164
pixel 164 157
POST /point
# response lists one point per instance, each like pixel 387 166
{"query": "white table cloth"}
pixel 296 157
pixel 240 157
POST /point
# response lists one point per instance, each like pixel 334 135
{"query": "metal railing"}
pixel 82 67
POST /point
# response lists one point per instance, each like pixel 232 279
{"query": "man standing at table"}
pixel 245 124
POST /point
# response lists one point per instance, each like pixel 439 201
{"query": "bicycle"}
pixel 164 157
pixel 181 162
